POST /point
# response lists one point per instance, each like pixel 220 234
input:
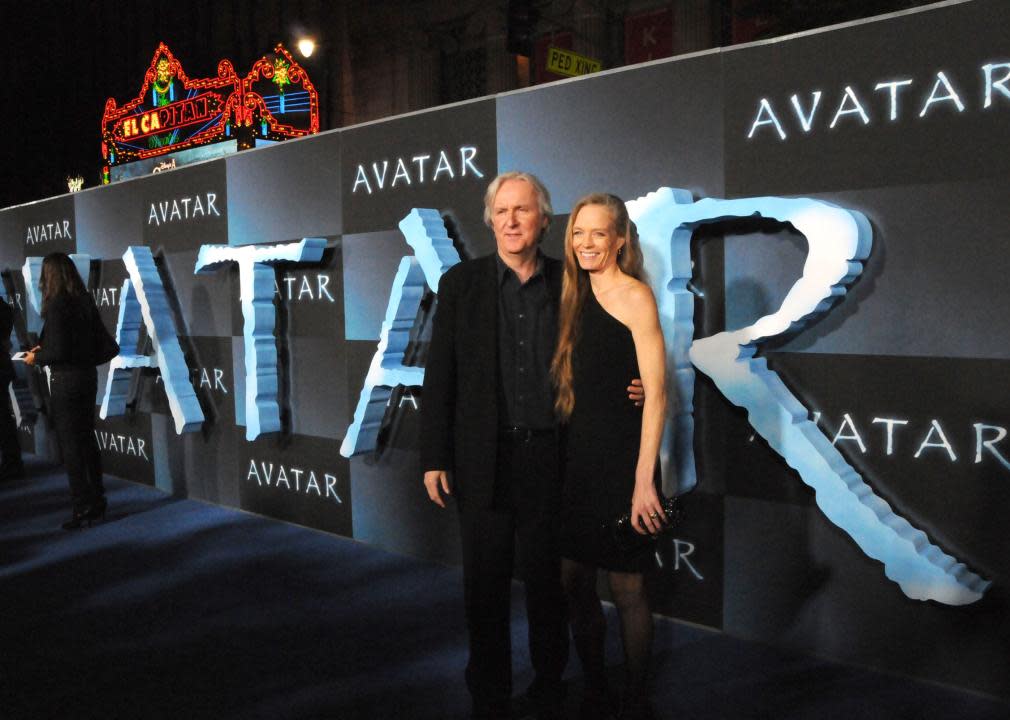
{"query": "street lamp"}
pixel 306 46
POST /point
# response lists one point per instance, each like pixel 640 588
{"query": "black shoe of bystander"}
pixel 12 472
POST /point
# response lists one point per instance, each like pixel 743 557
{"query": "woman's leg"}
pixel 588 624
pixel 65 416
pixel 72 407
pixel 628 592
pixel 91 454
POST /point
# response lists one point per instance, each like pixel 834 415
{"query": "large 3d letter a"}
pixel 143 302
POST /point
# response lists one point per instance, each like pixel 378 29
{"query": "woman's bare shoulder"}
pixel 637 297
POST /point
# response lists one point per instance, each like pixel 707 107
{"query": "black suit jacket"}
pixel 68 334
pixel 459 404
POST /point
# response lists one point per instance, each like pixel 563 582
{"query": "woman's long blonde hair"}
pixel 575 287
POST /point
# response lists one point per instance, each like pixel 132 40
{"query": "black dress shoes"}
pixel 544 701
pixel 597 705
pixel 87 516
pixel 491 711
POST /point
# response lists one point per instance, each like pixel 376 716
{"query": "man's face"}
pixel 516 218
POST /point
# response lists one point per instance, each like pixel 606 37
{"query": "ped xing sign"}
pixel 565 62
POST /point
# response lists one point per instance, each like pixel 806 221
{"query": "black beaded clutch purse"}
pixel 631 542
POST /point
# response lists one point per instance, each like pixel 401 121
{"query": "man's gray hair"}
pixel 543 196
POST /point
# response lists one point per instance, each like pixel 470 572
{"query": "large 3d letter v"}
pixel 424 230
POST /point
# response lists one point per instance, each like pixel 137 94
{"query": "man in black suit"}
pixel 11 466
pixel 489 437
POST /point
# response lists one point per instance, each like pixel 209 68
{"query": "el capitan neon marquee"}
pixel 169 117
pixel 274 101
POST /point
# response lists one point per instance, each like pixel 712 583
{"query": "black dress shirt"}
pixel 527 336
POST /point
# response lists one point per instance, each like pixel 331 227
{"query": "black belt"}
pixel 520 433
pixel 60 369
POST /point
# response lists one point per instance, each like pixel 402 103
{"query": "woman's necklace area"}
pixel 611 286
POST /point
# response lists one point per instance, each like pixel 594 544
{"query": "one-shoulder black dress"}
pixel 601 442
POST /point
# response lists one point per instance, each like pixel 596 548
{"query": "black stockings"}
pixel 628 591
pixel 589 627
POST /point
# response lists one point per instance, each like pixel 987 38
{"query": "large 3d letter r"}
pixel 839 240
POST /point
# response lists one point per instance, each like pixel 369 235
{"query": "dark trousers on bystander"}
pixel 72 409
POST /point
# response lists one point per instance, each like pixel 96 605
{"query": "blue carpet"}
pixel 179 609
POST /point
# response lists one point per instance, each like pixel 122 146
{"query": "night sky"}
pixel 65 58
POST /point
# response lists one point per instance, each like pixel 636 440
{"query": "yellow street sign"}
pixel 565 62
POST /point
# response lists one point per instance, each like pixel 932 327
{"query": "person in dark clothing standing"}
pixel 11 467
pixel 489 438
pixel 609 328
pixel 66 346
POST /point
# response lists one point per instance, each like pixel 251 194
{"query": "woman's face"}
pixel 595 241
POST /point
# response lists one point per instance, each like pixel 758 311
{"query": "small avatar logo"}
pixel 74 184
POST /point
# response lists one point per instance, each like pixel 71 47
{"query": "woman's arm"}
pixel 646 511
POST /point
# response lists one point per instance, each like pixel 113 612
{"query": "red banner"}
pixel 648 36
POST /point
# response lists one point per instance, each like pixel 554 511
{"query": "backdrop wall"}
pixel 901 119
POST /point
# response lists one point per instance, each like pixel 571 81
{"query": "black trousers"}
pixel 519 527
pixel 72 408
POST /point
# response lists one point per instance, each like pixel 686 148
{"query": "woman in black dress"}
pixel 609 331
pixel 66 346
